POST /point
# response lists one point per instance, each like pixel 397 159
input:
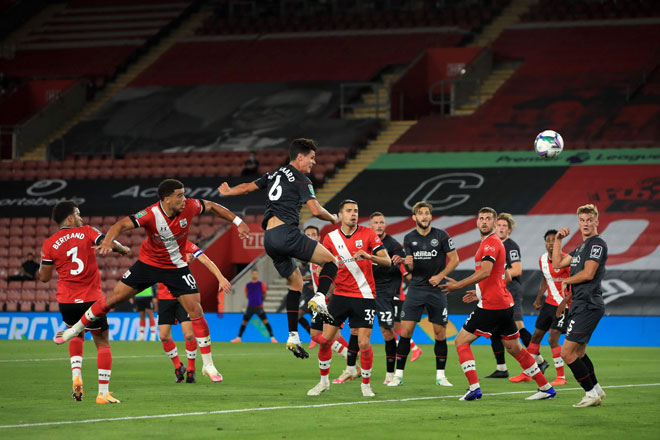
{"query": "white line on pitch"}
pixel 274 408
pixel 3 361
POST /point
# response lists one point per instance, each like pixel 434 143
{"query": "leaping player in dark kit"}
pixel 288 188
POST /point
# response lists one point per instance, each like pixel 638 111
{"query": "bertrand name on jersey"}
pixel 63 239
pixel 289 175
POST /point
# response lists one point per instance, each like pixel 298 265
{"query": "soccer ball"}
pixel 549 144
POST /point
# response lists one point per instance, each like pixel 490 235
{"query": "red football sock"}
pixel 325 355
pixel 104 364
pixel 191 353
pixel 76 345
pixel 152 322
pixel 201 331
pixel 171 351
pixel 342 341
pixel 533 348
pixel 319 339
pixel 412 344
pixel 559 362
pixel 528 363
pixel 366 362
pixel 466 359
pixel 98 310
pixel 142 321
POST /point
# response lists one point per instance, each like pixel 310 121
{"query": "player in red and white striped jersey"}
pixel 494 311
pixel 162 260
pixel 547 319
pixel 70 251
pixel 356 248
pixel 170 311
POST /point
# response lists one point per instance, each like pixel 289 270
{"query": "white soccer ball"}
pixel 549 144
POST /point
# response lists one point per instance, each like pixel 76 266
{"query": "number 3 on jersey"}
pixel 276 190
pixel 73 252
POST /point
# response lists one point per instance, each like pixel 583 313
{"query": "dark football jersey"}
pixel 512 255
pixel 288 189
pixel 590 292
pixel 429 254
pixel 388 279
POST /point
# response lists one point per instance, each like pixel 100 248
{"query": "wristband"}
pixel 237 220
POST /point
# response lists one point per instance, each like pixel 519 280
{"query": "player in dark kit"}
pixel 388 285
pixel 288 188
pixel 494 311
pixel 430 257
pixel 70 251
pixel 587 263
pixel 162 259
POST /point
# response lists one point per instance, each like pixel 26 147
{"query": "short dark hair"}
pixel 549 232
pixel 312 227
pixel 489 210
pixel 303 146
pixel 62 210
pixel 345 202
pixel 376 214
pixel 167 187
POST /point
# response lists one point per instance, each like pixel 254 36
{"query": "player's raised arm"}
pixel 559 261
pixel 222 212
pixel 243 188
pixel 108 245
pixel 319 211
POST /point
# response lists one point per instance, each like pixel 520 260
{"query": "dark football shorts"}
pixel 582 321
pixel 170 311
pixel 254 310
pixel 483 322
pixel 547 319
pixel 517 303
pixel 434 300
pixel 72 312
pixel 179 281
pixel 144 302
pixel 360 312
pixel 284 243
pixel 398 309
pixel 385 310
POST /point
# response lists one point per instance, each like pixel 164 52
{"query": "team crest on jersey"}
pixel 183 222
pixel 358 244
pixel 435 242
pixel 141 214
pixel 414 243
pixel 596 252
pixel 489 248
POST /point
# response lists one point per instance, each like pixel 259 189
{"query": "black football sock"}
pixel 270 329
pixel 402 351
pixel 292 304
pixel 581 374
pixel 498 349
pixel 390 355
pixel 525 336
pixel 440 354
pixel 353 348
pixel 590 368
pixel 327 277
pixel 240 332
pixel 305 324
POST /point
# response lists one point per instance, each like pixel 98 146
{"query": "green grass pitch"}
pixel 264 396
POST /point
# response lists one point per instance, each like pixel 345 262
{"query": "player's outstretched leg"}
pixel 531 369
pixel 98 310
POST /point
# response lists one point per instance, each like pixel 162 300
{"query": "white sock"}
pixel 141 332
pixel 559 362
pixel 351 369
pixel 337 347
pixel 539 359
pixel 439 374
pixel 104 375
pixel 172 353
pixel 399 373
pixel 598 388
pixel 293 337
pixel 474 386
pixel 592 392
pixel 325 380
pixel 76 366
pixel 545 387
pixel 501 367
